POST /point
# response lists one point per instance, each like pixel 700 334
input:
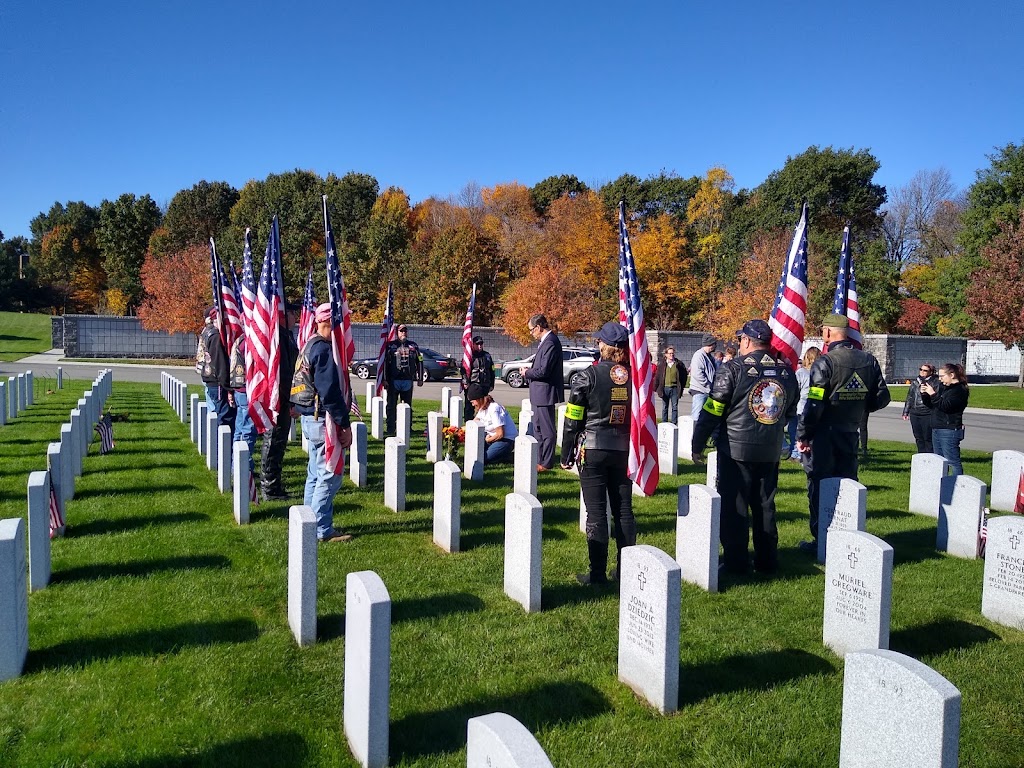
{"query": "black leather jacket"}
pixel 599 405
pixel 481 370
pixel 915 405
pixel 947 405
pixel 845 382
pixel 756 395
pixel 215 366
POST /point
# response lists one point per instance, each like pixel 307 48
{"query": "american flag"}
pixel 254 498
pixel 788 315
pixel 307 320
pixel 105 429
pixel 343 347
pixel 56 515
pixel 845 301
pixel 247 286
pixel 643 426
pixel 388 333
pixel 467 338
pixel 215 291
pixel 236 288
pixel 262 377
pixel 230 309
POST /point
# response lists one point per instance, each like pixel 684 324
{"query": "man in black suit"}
pixel 547 387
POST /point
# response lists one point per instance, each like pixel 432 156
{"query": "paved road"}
pixel 986 430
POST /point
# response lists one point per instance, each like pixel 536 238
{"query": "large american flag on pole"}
pixel 467 339
pixel 343 346
pixel 247 289
pixel 215 289
pixel 236 288
pixel 307 315
pixel 262 377
pixel 388 334
pixel 845 300
pixel 643 426
pixel 789 313
pixel 231 311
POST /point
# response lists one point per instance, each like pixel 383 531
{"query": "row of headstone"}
pixel 928 471
pixel 175 392
pixel 16 395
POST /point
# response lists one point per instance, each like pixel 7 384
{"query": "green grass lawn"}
pixel 997 396
pixel 23 334
pixel 163 637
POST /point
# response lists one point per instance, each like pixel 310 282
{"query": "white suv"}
pixel 574 360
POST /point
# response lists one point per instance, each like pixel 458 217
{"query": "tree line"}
pixel 930 259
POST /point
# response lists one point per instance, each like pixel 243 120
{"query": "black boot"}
pixel 598 553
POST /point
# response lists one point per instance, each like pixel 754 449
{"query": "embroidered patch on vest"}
pixel 766 401
pixel 619 374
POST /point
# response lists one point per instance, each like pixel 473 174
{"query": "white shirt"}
pixel 494 416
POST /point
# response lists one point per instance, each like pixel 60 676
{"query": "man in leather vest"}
pixel 275 440
pixel 403 366
pixel 755 395
pixel 846 383
pixel 245 430
pixel 316 396
pixel 481 373
pixel 596 438
pixel 214 371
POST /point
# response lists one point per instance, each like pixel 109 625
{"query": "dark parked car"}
pixel 435 366
pixel 574 360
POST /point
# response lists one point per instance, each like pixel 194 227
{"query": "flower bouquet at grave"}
pixel 451 439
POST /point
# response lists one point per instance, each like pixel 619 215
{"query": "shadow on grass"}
pixel 747 672
pixel 890 514
pixel 444 731
pixel 331 626
pixel 140 568
pixel 151 642
pixel 139 490
pixel 100 527
pixel 286 750
pixel 575 593
pixel 912 546
pixel 938 637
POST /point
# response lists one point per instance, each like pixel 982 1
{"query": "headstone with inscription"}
pixel 474 447
pixel 302 572
pixel 960 512
pixel 394 474
pixel 240 482
pixel 897 713
pixel 527 454
pixel 435 426
pixel 649 594
pixel 858 592
pixel 38 530
pixel 698 527
pixel 926 473
pixel 668 448
pixel 367 668
pixel 842 506
pixel 523 523
pixel 500 741
pixel 1007 470
pixel 447 505
pixel 1002 597
pixel 357 455
pixel 13 599
pixel 377 418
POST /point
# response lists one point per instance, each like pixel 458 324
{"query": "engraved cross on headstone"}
pixel 1014 541
pixel 853 560
pixel 642 579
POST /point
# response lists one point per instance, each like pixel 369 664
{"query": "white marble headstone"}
pixel 446 397
pixel 435 426
pixel 240 482
pixel 711 473
pixel 68 451
pixel 224 458
pixel 926 473
pixel 842 506
pixel 897 713
pixel 394 474
pixel 302 572
pixel 55 466
pixel 194 419
pixel 960 511
pixel 685 436
pixel 203 424
pixel 649 595
pixel 357 455
pixel 500 741
pixel 1002 597
pixel 377 418
pixel 858 592
pixel 698 531
pixel 474 450
pixel 559 422
pixel 211 449
pixel 3 403
pixel 403 422
pixel 1007 470
pixel 455 411
pixel 13 599
pixel 38 530
pixel 76 439
pixel 668 448
pixel 526 421
pixel 527 454
pixel 523 524
pixel 447 505
pixel 367 668
pixel 371 391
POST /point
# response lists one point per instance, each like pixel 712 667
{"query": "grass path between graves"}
pixel 163 638
pixel 23 333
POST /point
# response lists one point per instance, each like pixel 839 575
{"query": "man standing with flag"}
pixel 316 394
pixel 596 437
pixel 403 366
pixel 845 383
pixel 275 439
pixel 213 369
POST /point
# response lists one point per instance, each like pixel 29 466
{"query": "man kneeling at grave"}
pixel 316 396
pixel 756 395
pixel 596 439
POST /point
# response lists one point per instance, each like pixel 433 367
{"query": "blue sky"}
pixel 103 98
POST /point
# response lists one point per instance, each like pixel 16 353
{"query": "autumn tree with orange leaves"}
pixel 550 289
pixel 512 223
pixel 672 294
pixel 752 295
pixel 177 287
pixel 579 234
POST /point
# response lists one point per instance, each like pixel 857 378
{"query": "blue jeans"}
pixel 671 397
pixel 946 443
pixel 697 405
pixel 321 483
pixel 789 443
pixel 245 430
pixel 498 451
pixel 217 402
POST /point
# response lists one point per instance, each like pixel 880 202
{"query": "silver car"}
pixel 574 361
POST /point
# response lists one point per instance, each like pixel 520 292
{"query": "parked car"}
pixel 574 361
pixel 435 366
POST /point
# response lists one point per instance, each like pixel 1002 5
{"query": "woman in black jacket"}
pixel 915 411
pixel 948 402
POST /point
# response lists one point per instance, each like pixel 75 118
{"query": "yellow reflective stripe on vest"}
pixel 714 407
pixel 815 393
pixel 574 412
